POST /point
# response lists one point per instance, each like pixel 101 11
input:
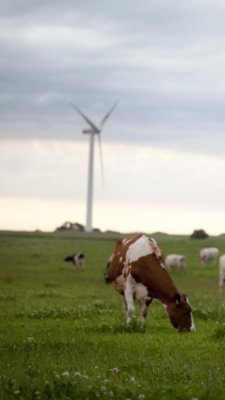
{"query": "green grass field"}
pixel 63 335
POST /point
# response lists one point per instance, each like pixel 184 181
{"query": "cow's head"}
pixel 180 314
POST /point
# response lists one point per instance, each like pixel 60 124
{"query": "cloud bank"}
pixel 163 60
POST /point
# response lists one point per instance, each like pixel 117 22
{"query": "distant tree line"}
pixel 71 226
pixel 199 234
pixel 77 227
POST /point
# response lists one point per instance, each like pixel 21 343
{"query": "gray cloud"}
pixel 164 60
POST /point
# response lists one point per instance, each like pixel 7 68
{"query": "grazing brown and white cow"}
pixel 137 271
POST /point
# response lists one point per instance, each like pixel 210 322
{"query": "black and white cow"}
pixel 78 260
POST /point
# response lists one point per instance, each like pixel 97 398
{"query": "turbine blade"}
pixel 93 126
pixel 103 121
pixel 101 158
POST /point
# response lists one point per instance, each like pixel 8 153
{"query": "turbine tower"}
pixel 92 131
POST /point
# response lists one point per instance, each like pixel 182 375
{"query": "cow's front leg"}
pixel 144 310
pixel 129 299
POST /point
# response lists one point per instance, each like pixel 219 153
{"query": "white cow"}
pixel 208 254
pixel 175 261
pixel 221 271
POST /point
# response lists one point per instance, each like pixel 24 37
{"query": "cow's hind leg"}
pixel 141 294
pixel 144 310
pixel 129 299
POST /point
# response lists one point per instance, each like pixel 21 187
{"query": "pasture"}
pixel 63 335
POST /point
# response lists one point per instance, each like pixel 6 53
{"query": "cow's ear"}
pixel 177 298
pixel 184 298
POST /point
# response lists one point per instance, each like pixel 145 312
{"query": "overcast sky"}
pixel 163 145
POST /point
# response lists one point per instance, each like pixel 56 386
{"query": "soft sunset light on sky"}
pixel 164 144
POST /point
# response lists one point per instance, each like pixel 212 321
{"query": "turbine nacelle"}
pixel 92 131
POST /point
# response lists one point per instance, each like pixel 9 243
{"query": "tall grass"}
pixel 63 336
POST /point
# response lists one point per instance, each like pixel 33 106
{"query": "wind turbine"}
pixel 92 131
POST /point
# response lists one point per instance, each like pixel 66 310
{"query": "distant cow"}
pixel 208 254
pixel 78 260
pixel 221 271
pixel 137 271
pixel 175 261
